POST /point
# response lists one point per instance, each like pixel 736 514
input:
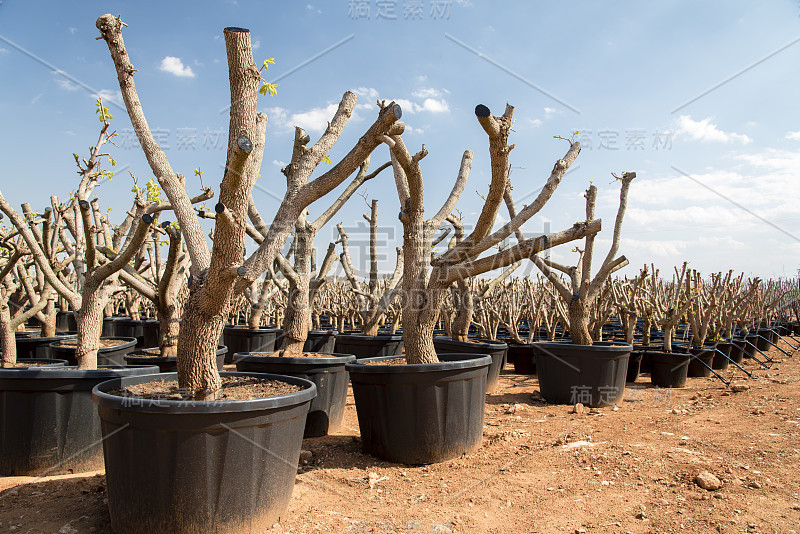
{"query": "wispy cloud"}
pixel 175 66
pixel 705 130
pixel 794 136
pixel 109 95
pixel 73 30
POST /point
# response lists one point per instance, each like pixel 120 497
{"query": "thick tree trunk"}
pixel 8 340
pixel 579 322
pixel 89 320
pixel 197 343
pixel 465 310
pixel 168 327
pixel 49 323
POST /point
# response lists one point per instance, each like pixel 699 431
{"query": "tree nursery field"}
pixel 204 363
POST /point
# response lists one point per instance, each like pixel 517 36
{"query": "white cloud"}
pixel 435 106
pixel 427 93
pixel 3 51
pixel 368 92
pixel 175 66
pixel 704 130
pixel 36 98
pixel 309 7
pixel 535 123
pixel 794 136
pixel 257 44
pixel 109 95
pixel 280 164
pixel 315 119
pixel 549 112
pixel 66 84
pixel 73 30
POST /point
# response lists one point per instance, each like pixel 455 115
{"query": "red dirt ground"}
pixel 541 469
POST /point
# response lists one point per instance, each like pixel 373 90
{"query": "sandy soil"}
pixel 542 468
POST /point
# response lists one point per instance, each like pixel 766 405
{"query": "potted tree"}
pixel 430 407
pixel 371 299
pixel 264 434
pixel 294 357
pixel 583 371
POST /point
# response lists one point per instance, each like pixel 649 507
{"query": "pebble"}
pixel 578 408
pixel 306 457
pixel 708 481
pixel 755 484
pixel 738 388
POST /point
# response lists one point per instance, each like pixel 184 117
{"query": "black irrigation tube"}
pixel 712 370
pixel 754 357
pixel 774 345
pixel 749 374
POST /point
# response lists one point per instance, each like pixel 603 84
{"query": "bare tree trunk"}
pixel 579 322
pixel 298 309
pixel 8 340
pixel 465 309
pixel 89 320
pixel 49 323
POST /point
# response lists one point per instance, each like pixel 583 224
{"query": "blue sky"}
pixel 698 98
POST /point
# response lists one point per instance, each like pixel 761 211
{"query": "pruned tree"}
pixel 425 283
pixel 371 298
pixel 583 289
pixel 220 272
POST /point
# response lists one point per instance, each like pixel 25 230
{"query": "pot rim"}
pixel 102 398
pixel 336 358
pixel 72 372
pixel 129 342
pixel 387 337
pixel 464 361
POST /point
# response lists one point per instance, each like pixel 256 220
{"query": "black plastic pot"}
pixel 496 350
pixel 327 372
pixel 523 358
pixel 36 347
pixel 105 355
pixel 593 375
pixel 764 336
pixel 108 327
pixel 25 334
pixel 34 363
pixel 65 321
pixel 323 341
pixel 48 424
pixel 737 350
pixel 168 364
pixel 192 466
pixel 244 339
pixel 751 345
pixel 669 369
pixel 362 346
pixel 721 362
pixel 127 327
pixel 634 365
pixel 151 330
pixel 796 328
pixel 697 369
pixel 421 414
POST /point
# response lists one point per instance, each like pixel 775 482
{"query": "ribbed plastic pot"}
pixel 496 350
pixel 48 424
pixel 151 330
pixel 421 414
pixel 36 347
pixel 194 467
pixel 593 375
pixel 697 369
pixel 65 321
pixel 241 338
pixel 737 350
pixel 721 362
pixel 669 369
pixel 327 372
pixel 634 365
pixel 105 355
pixel 796 328
pixel 127 327
pixel 168 364
pixel 323 341
pixel 362 346
pixel 523 358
